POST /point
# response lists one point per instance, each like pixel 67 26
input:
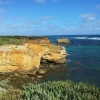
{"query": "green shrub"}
pixel 61 91
pixel 17 39
pixel 4 83
pixel 56 90
pixel 13 39
pixel 8 93
pixel 12 95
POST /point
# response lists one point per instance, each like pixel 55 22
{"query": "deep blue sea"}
pixel 83 60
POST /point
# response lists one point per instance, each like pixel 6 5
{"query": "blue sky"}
pixel 49 17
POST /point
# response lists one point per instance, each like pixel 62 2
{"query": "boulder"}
pixel 63 41
pixel 39 76
pixel 41 71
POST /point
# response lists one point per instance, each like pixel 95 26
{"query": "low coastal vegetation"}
pixel 17 39
pixel 56 90
pixel 12 39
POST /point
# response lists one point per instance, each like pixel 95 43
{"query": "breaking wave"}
pixel 90 38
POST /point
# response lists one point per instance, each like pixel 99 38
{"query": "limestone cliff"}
pixel 28 56
pixel 53 54
pixel 63 41
pixel 21 58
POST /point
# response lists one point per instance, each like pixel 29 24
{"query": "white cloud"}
pixel 97 6
pixel 91 18
pixel 37 21
pixel 84 15
pixel 87 15
pixel 89 22
pixel 2 10
pixel 43 26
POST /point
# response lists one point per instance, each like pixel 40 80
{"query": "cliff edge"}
pixel 28 56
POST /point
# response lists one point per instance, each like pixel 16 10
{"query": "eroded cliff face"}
pixel 55 54
pixel 28 56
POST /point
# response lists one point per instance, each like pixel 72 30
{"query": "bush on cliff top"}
pixel 56 90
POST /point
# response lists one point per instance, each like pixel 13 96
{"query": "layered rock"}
pixel 28 56
pixel 63 41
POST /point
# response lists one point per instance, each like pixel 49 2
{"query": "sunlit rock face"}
pixel 21 58
pixel 55 54
pixel 63 41
pixel 28 56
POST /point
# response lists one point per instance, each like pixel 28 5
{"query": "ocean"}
pixel 83 60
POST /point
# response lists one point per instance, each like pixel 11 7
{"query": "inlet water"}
pixel 83 60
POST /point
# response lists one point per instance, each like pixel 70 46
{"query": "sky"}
pixel 49 17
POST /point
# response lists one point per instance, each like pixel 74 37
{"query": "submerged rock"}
pixel 41 71
pixel 39 76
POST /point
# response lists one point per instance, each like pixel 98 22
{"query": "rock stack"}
pixel 63 41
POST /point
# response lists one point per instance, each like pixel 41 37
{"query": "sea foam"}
pixel 90 38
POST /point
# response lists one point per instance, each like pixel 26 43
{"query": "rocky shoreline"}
pixel 29 61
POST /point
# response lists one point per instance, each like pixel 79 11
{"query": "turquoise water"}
pixel 83 60
pixel 87 58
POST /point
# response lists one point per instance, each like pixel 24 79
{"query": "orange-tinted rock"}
pixel 39 41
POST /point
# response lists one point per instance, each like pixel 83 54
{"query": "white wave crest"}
pixel 95 38
pixel 90 38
